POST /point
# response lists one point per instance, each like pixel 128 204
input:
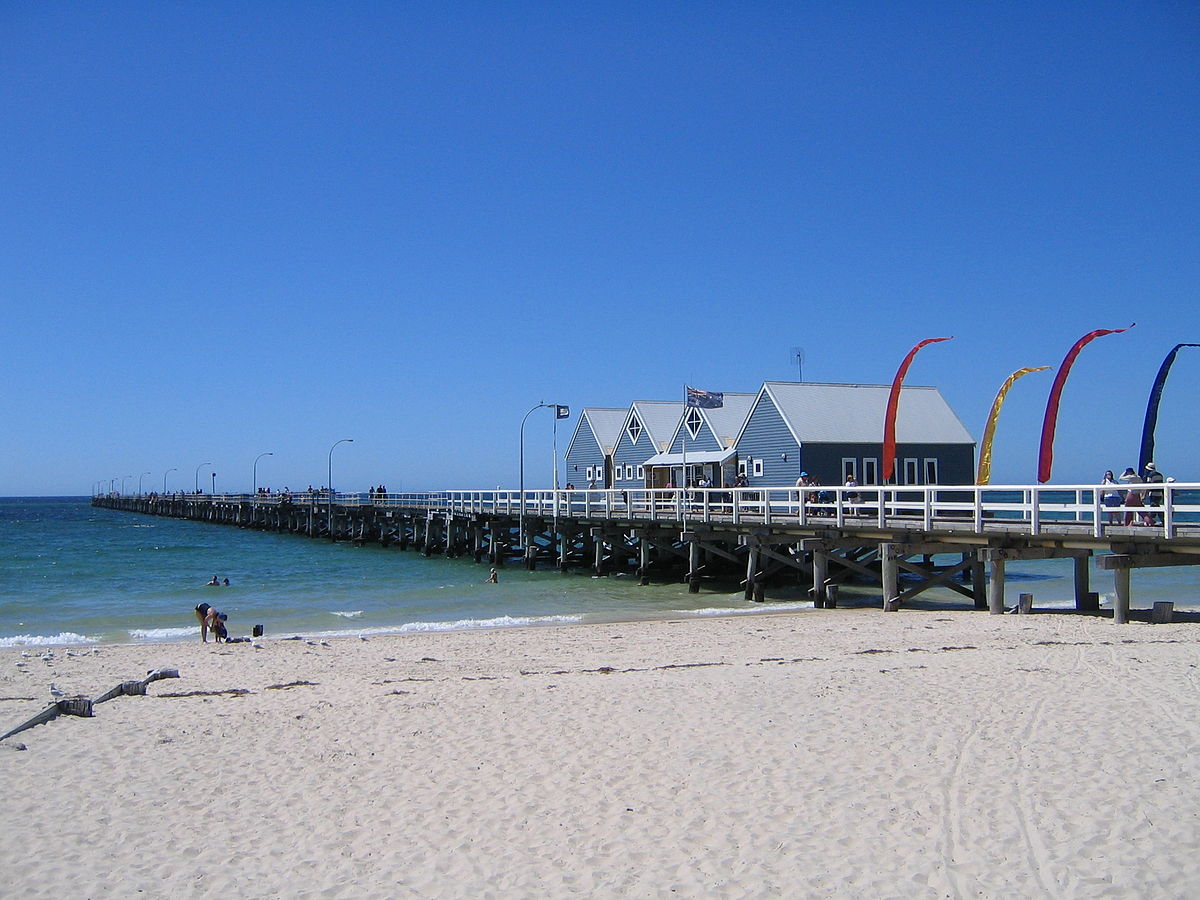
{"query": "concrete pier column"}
pixel 979 582
pixel 820 562
pixel 751 571
pixel 891 577
pixel 1121 601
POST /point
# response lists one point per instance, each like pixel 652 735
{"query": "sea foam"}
pixel 162 634
pixel 45 640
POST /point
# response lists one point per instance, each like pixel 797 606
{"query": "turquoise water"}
pixel 73 574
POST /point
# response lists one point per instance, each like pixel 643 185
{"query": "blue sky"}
pixel 227 229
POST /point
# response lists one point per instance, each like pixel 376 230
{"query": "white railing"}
pixel 1020 509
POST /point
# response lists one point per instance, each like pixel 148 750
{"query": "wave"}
pixel 45 640
pixel 775 606
pixel 346 615
pixel 162 634
pixel 458 625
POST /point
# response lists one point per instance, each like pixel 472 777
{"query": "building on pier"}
pixel 704 439
pixel 589 456
pixel 646 431
pixel 833 430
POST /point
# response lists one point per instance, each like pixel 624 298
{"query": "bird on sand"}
pixel 55 692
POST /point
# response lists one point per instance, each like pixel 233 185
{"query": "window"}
pixel 931 470
pixel 629 473
pixel 741 467
pixel 910 472
pixel 870 471
pixel 758 468
pixel 693 422
pixel 634 430
pixel 849 468
pixel 590 475
pixel 641 473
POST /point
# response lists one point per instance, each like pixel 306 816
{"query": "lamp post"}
pixel 521 466
pixel 254 471
pixel 329 483
pixel 123 477
pixel 198 468
pixel 165 474
pixel 140 477
pixel 214 484
pixel 112 486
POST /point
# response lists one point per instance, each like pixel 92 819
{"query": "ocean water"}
pixel 72 574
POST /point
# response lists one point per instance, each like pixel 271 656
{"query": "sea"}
pixel 72 574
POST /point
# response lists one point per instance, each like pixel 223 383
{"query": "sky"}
pixel 229 229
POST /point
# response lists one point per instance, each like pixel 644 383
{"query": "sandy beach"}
pixel 823 753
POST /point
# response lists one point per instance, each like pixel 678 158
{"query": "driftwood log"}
pixel 82 706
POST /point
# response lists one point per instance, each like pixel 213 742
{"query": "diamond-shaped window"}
pixel 634 430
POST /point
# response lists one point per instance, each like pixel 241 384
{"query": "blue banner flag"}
pixel 562 412
pixel 705 399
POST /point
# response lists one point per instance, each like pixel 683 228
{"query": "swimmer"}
pixel 492 579
pixel 209 618
pixel 213 582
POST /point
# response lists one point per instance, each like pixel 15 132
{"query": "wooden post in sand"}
pixel 1083 594
pixel 1121 600
pixel 996 587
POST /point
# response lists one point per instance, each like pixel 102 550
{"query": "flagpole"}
pixel 683 515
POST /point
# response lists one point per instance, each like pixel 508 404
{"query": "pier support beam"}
pixel 996 587
pixel 891 577
pixel 1084 598
pixel 820 564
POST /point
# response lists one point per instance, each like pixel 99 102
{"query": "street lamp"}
pixel 214 484
pixel 329 483
pixel 140 477
pixel 521 477
pixel 165 474
pixel 198 468
pixel 112 486
pixel 254 472
pixel 123 477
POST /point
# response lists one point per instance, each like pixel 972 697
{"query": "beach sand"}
pixel 847 753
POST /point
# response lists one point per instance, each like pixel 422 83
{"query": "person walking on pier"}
pixel 1133 497
pixel 1110 496
pixel 1151 475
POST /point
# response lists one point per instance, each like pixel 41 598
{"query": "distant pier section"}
pixel 820 537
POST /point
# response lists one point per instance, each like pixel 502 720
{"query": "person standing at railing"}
pixel 1151 475
pixel 1110 496
pixel 1133 497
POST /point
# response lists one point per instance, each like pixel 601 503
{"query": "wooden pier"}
pixel 821 538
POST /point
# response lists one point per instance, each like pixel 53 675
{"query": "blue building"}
pixel 647 430
pixel 704 439
pixel 833 430
pixel 589 457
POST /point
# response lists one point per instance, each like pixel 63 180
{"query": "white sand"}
pixel 823 753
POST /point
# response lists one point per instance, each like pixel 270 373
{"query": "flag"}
pixel 705 399
pixel 562 412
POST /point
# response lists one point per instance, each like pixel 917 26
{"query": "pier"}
pixel 818 537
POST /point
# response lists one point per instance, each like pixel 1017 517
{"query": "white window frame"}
pixel 628 472
pixel 742 466
pixel 912 470
pixel 870 471
pixel 849 467
pixel 590 476
pixel 929 466
pixel 634 429
pixel 641 473
pixel 693 421
pixel 758 467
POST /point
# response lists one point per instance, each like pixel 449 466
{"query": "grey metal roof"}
pixel 606 425
pixel 726 421
pixel 659 418
pixel 697 457
pixel 854 413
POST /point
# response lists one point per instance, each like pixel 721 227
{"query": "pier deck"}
pixel 823 537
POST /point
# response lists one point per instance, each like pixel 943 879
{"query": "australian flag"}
pixel 705 399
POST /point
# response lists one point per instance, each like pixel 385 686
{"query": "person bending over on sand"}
pixel 212 620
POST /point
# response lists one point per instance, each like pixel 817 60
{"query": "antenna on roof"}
pixel 797 357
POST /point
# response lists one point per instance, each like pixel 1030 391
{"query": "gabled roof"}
pixel 854 413
pixel 659 419
pixel 605 425
pixel 725 422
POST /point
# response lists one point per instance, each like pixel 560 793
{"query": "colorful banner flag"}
pixel 705 399
pixel 989 431
pixel 889 419
pixel 1147 452
pixel 1050 422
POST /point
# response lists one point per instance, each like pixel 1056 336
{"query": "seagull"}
pixel 55 692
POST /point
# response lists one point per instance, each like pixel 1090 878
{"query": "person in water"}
pixel 211 620
pixel 213 582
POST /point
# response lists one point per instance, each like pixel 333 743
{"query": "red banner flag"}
pixel 889 419
pixel 1046 456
